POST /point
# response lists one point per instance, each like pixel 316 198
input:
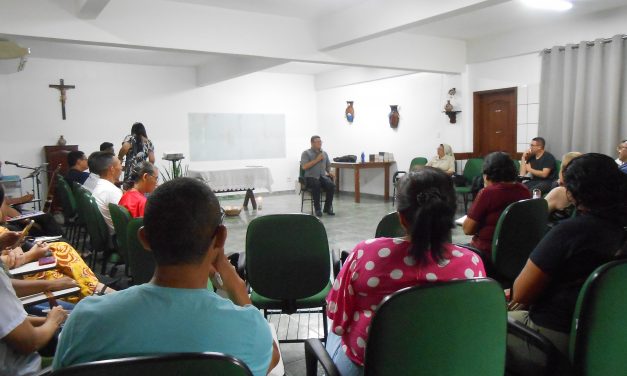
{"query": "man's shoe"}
pixel 318 213
pixel 329 211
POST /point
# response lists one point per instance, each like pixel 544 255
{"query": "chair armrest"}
pixel 395 176
pixel 44 371
pixel 554 362
pixel 314 353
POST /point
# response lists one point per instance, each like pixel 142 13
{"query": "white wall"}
pixel 423 125
pixel 109 97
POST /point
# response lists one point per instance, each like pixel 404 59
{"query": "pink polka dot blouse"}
pixel 377 268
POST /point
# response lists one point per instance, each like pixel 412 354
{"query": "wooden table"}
pixel 356 169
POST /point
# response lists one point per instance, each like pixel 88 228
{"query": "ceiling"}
pixel 280 36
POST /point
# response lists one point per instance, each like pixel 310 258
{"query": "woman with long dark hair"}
pixel 137 148
pixel 559 265
pixel 379 267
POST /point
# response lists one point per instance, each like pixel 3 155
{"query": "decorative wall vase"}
pixel 394 116
pixel 349 113
pixel 61 141
pixel 448 107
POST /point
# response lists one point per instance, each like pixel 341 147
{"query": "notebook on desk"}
pixel 460 221
pixel 26 215
pixel 41 297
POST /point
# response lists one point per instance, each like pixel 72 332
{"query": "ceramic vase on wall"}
pixel 349 113
pixel 394 116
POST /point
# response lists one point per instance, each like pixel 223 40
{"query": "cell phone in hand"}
pixel 24 233
pixel 47 260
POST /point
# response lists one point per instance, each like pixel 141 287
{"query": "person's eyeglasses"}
pixel 533 146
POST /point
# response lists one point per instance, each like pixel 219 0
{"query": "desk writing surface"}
pixel 31 268
pixel 235 178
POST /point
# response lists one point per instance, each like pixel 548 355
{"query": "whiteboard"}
pixel 219 137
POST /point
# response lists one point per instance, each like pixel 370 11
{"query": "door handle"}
pixel 498 132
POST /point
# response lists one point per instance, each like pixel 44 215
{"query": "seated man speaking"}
pixel 174 312
pixel 317 168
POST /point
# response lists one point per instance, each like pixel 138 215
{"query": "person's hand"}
pixel 9 238
pixel 332 175
pixel 62 284
pixel 27 197
pixel 57 315
pixel 320 156
pixel 39 250
pixel 231 282
pixel 9 258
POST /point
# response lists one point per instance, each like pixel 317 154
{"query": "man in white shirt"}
pixel 108 167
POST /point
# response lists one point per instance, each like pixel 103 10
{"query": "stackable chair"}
pixel 141 262
pixel 418 161
pixel 519 229
pixel 390 227
pixel 288 266
pixel 598 334
pixel 472 169
pixel 448 328
pixel 121 217
pixel 183 364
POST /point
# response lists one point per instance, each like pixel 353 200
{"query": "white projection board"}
pixel 218 137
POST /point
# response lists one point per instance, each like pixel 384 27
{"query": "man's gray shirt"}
pixel 319 169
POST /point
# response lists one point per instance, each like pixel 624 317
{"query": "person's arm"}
pixel 529 284
pixel 470 226
pixel 451 166
pixel 557 199
pixel 543 174
pixel 313 162
pixel 26 338
pixel 275 356
pixel 24 287
pixel 234 286
pixel 8 211
pixel 19 200
pixel 151 157
pixel 123 150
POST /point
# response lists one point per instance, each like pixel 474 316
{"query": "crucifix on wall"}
pixel 62 87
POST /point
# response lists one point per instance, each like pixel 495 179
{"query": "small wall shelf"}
pixel 452 115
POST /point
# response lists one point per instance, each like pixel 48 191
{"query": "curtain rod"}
pixel 589 44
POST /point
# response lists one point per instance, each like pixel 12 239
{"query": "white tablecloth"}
pixel 235 179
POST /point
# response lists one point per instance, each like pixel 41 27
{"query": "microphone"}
pixel 12 163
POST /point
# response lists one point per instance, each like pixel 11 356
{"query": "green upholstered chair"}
pixel 598 334
pixel 288 265
pixel 70 214
pixel 449 328
pixel 140 260
pixel 184 364
pixel 418 161
pixel 472 169
pixel 390 227
pixel 121 217
pixel 519 229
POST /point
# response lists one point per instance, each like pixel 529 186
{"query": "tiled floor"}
pixel 352 223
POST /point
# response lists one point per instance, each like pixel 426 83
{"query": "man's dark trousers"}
pixel 325 183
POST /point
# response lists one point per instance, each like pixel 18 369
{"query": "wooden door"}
pixel 495 121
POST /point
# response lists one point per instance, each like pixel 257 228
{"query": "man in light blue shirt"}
pixel 174 312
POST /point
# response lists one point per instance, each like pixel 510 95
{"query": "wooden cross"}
pixel 62 88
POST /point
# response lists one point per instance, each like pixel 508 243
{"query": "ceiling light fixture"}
pixel 559 5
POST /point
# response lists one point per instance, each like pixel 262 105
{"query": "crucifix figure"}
pixel 62 88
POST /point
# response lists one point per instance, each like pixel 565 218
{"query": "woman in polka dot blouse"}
pixel 379 267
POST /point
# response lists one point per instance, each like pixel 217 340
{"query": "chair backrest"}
pixel 287 256
pixel 599 333
pixel 141 261
pixel 450 328
pixel 120 218
pixel 67 197
pixel 185 364
pixel 390 227
pixel 473 168
pixel 510 245
pixel 418 161
pixel 558 166
pixel 96 226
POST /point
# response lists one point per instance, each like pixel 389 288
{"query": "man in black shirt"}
pixel 539 165
pixel 78 167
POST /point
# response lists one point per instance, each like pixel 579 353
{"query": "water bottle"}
pixel 363 157
pixel 537 193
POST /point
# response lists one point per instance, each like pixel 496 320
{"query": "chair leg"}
pixel 325 324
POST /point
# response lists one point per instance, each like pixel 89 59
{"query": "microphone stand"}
pixel 36 182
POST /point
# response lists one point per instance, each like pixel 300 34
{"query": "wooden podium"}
pixel 56 155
